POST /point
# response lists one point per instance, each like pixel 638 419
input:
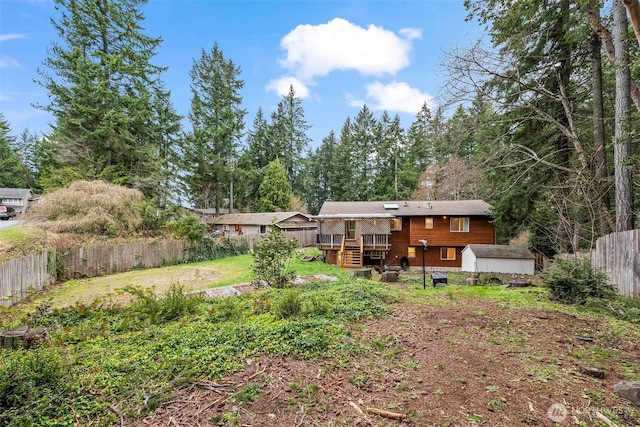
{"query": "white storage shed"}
pixel 498 259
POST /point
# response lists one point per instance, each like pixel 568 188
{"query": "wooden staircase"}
pixel 351 254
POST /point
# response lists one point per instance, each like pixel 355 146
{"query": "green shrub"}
pixel 28 375
pixel 621 307
pixel 489 280
pixel 174 305
pixel 573 281
pixel 272 256
pixel 289 304
pixel 227 309
pixel 210 249
pixel 188 227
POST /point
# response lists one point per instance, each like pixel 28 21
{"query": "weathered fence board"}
pixel 618 254
pixel 305 238
pixel 21 275
pixel 92 261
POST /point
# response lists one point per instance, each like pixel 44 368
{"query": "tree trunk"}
pixel 609 48
pixel 623 187
pixel 603 199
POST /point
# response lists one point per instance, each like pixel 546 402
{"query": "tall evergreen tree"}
pixel 257 154
pixel 11 168
pixel 101 85
pixel 274 188
pixel 25 146
pixel 343 174
pixel 420 151
pixel 321 164
pixel 387 184
pixel 288 131
pixel 210 151
pixel 365 134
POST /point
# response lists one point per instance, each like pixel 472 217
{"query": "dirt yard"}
pixel 445 362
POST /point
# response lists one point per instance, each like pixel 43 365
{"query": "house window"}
pixel 396 224
pixel 460 225
pixel 263 229
pixel 448 254
pixel 428 223
pixel 411 253
pixel 11 200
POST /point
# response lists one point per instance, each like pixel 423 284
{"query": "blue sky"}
pixel 338 55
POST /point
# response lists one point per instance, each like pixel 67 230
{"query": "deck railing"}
pixel 376 241
pixel 330 240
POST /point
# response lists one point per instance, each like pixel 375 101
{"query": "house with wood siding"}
pixel 393 233
pixel 260 223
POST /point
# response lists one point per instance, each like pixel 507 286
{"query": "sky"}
pixel 338 54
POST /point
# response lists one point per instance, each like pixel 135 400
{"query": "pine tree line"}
pixel 535 128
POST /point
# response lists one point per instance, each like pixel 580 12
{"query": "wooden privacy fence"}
pixel 305 238
pixel 91 261
pixel 21 275
pixel 618 254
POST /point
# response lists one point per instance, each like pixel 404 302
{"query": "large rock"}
pixel 629 390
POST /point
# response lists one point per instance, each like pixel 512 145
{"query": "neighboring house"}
pixel 17 198
pixel 208 215
pixel 353 234
pixel 498 259
pixel 259 223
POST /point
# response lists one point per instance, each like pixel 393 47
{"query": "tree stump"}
pixel 365 272
pixel 389 276
pixel 23 337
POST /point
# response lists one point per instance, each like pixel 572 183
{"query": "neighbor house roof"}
pixel 331 209
pixel 14 193
pixel 500 251
pixel 261 218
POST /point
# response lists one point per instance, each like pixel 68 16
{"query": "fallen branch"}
pixel 386 414
pixel 118 413
pixel 606 420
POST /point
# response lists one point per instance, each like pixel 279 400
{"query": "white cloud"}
pixel 11 36
pixel 281 87
pixel 8 62
pixel 317 50
pixel 394 97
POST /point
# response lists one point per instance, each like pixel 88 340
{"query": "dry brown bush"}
pixel 95 207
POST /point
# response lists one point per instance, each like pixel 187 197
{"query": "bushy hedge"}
pixel 209 249
pixel 572 280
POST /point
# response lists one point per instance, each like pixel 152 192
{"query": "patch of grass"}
pixel 249 393
pixel 358 380
pixel 16 233
pixel 138 354
pixel 19 240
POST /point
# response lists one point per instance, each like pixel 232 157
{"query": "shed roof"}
pixel 332 209
pixel 260 218
pixel 500 251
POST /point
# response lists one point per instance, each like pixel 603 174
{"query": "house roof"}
pixel 14 193
pixel 261 218
pixel 500 251
pixel 382 209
